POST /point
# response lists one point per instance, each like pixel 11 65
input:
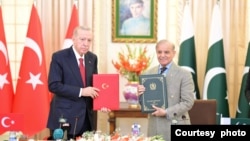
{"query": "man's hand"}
pixel 90 91
pixel 105 110
pixel 140 90
pixel 159 112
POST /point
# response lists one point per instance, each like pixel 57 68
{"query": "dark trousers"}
pixel 86 127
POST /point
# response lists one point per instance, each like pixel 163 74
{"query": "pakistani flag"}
pixel 215 85
pixel 243 105
pixel 234 121
pixel 187 56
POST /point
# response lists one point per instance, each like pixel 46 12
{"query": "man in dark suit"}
pixel 73 96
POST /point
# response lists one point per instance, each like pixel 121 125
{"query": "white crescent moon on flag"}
pixel 105 86
pixel 3 49
pixel 3 122
pixel 245 71
pixel 189 69
pixel 67 43
pixel 209 76
pixel 35 47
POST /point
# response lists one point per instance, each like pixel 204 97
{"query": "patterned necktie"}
pixel 163 69
pixel 82 70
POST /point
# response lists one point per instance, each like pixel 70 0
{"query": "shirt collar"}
pixel 168 66
pixel 77 55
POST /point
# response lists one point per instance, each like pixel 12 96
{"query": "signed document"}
pixel 109 91
pixel 155 93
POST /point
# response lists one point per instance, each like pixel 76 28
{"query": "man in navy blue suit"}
pixel 73 97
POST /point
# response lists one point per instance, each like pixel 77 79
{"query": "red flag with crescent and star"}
pixel 11 122
pixel 6 86
pixel 74 22
pixel 32 95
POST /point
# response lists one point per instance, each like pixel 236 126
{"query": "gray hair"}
pixel 75 32
pixel 164 41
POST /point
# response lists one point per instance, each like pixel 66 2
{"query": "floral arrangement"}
pixel 132 63
pixel 116 136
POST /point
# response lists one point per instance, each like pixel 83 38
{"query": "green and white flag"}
pixel 215 85
pixel 234 121
pixel 187 56
pixel 243 105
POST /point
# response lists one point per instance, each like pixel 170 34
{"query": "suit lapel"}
pixel 87 64
pixel 172 72
pixel 73 65
pixel 89 67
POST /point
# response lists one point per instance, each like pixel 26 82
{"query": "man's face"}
pixel 136 9
pixel 82 41
pixel 165 53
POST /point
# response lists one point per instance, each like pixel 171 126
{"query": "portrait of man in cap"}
pixel 137 22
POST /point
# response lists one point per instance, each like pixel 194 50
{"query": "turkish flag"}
pixel 6 87
pixel 11 122
pixel 32 95
pixel 74 22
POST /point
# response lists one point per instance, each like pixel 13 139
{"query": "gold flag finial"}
pixel 35 1
pixel 218 1
pixel 75 2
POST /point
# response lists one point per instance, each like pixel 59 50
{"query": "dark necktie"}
pixel 163 69
pixel 82 70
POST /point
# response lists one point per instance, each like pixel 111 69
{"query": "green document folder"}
pixel 155 93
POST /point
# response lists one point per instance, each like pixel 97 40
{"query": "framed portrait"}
pixel 134 21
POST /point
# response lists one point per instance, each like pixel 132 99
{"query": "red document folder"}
pixel 109 91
